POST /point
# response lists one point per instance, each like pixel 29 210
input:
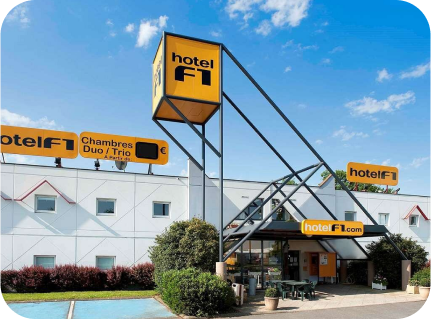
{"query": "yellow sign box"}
pixel 372 174
pixel 187 71
pixel 38 142
pixel 123 148
pixel 332 227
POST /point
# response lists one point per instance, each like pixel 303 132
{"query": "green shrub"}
pixel 422 276
pixel 195 293
pixel 414 282
pixel 271 292
pixel 358 270
pixel 387 261
pixel 425 282
pixel 186 244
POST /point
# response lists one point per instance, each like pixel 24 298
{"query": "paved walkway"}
pixel 386 311
pixel 94 309
pixel 332 296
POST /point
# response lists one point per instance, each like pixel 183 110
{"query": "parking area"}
pixel 95 309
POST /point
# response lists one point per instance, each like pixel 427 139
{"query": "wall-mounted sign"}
pixel 38 142
pixel 332 227
pixel 187 71
pixel 123 148
pixel 323 259
pixel 372 174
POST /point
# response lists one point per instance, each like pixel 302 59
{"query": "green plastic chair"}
pixel 313 285
pixel 283 292
pixel 305 290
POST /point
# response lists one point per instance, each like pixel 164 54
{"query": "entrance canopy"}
pixel 344 246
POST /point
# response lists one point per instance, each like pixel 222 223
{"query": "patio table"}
pixel 294 285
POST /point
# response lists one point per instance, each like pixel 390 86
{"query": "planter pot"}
pixel 271 303
pixel 274 273
pixel 378 286
pixel 424 292
pixel 412 290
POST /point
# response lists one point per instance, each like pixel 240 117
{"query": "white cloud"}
pixel 318 31
pixel 252 64
pixel 383 75
pixel 212 174
pixel 324 24
pixel 378 131
pixel 109 22
pixel 299 46
pixel 417 162
pixel 318 142
pixel 416 71
pixel 264 28
pixel 369 105
pixel 19 14
pixel 336 49
pixel 15 119
pixel 290 12
pixel 129 28
pixel 148 29
pixel 386 162
pixel 345 135
pixel 113 34
pixel 20 159
pixel 398 166
pixel 216 34
pixel 184 172
pixel 287 69
pixel 326 61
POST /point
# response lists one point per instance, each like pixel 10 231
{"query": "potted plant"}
pixel 424 289
pixel 413 286
pixel 274 271
pixel 271 298
pixel 379 282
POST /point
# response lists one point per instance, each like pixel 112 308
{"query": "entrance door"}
pixel 291 265
pixel 314 264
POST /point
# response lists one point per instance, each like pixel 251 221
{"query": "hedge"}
pixel 77 278
pixel 195 293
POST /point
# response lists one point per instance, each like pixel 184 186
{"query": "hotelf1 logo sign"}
pixel 332 227
pixel 372 174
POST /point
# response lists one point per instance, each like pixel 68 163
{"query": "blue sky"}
pixel 353 76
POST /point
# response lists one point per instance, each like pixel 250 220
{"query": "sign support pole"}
pixel 203 173
pixel 221 245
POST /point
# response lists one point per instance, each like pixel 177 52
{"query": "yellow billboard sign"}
pixel 332 227
pixel 372 174
pixel 123 148
pixel 187 71
pixel 38 142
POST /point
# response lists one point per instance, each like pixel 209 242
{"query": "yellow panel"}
pixel 123 148
pixel 38 142
pixel 332 227
pixel 372 174
pixel 158 76
pixel 327 265
pixel 192 69
pixel 195 112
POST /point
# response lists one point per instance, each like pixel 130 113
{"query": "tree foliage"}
pixel 387 261
pixel 342 175
pixel 185 244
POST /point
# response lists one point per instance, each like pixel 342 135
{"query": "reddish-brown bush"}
pixel 118 277
pixel 91 278
pixel 8 278
pixel 143 275
pixel 64 277
pixel 33 279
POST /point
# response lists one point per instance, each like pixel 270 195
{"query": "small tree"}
pixel 186 244
pixel 387 261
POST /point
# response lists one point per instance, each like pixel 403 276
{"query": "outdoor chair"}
pixel 313 288
pixel 282 290
pixel 305 290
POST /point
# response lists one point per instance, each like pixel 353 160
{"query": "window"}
pixel 161 209
pixel 45 204
pixel 414 220
pixel 44 261
pixel 105 206
pixel 384 219
pixel 350 216
pixel 257 216
pixel 281 214
pixel 105 263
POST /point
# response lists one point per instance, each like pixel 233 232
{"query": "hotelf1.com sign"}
pixel 372 174
pixel 332 227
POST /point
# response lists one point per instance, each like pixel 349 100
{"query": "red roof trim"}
pixel 5 197
pixel 45 181
pixel 420 211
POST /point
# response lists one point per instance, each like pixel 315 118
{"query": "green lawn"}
pixel 79 295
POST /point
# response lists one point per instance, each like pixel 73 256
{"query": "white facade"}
pixel 76 234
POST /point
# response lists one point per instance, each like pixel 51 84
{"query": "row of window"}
pixel 102 262
pixel 383 218
pixel 104 206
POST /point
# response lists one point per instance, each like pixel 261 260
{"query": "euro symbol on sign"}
pixel 163 150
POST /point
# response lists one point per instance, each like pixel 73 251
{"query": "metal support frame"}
pixel 203 174
pixel 272 212
pixel 304 140
pixel 293 205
